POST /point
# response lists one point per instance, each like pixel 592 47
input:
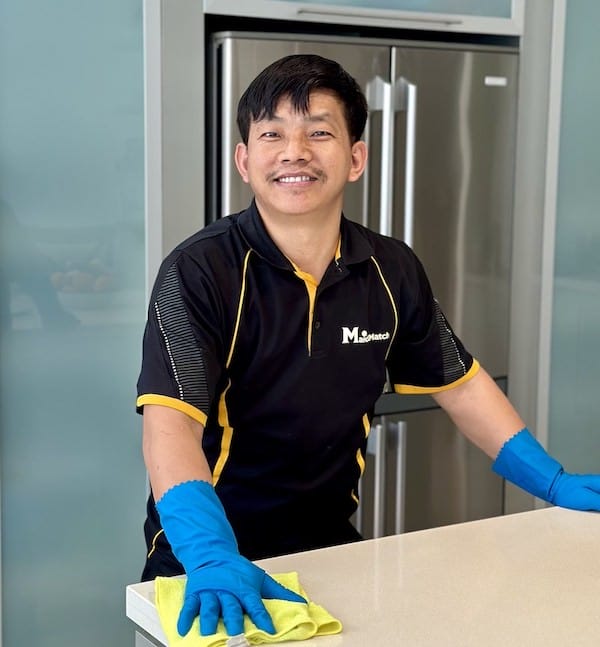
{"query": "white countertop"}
pixel 524 580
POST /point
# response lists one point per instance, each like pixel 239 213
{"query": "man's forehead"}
pixel 320 104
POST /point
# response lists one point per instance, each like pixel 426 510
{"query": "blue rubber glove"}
pixel 524 462
pixel 220 582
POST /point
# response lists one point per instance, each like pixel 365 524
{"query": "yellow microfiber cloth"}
pixel 292 620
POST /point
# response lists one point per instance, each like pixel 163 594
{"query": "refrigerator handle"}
pixel 376 447
pixel 400 476
pixel 379 494
pixel 380 98
pixel 406 100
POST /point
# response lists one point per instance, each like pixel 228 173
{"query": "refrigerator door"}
pixel 454 134
pixel 236 59
pixel 422 473
pixel 453 193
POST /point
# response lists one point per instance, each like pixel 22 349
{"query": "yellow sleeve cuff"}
pixel 409 389
pixel 173 403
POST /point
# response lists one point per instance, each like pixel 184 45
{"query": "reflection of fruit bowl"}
pixel 82 281
pixel 82 289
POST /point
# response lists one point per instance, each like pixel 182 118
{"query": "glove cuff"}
pixel 195 524
pixel 524 462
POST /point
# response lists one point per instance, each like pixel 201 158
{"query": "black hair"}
pixel 295 77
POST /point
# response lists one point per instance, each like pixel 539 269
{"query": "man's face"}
pixel 299 163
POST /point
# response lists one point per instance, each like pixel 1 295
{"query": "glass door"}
pixel 72 309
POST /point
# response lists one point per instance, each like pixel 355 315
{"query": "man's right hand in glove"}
pixel 221 583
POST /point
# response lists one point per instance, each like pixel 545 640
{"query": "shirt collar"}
pixel 354 247
pixel 254 232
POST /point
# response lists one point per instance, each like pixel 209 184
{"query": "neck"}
pixel 309 244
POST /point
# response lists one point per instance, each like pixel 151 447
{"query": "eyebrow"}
pixel 322 116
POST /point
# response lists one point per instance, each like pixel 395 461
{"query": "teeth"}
pixel 297 178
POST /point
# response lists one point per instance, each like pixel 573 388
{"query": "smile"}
pixel 289 179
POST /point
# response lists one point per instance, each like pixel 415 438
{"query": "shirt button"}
pixel 317 325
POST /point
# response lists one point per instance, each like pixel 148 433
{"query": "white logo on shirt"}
pixel 351 336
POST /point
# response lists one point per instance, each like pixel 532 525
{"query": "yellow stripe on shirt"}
pixel 311 287
pixel 392 302
pixel 223 415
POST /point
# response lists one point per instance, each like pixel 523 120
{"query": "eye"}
pixel 320 133
pixel 269 134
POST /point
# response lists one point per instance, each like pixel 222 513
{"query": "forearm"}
pixel 482 412
pixel 220 582
pixel 172 449
pixel 486 417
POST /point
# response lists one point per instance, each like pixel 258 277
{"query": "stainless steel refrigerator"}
pixel 441 137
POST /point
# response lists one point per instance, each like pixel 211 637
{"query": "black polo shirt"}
pixel 284 374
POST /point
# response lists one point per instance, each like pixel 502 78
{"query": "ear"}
pixel 358 160
pixel 241 161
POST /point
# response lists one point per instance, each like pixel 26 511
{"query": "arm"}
pixel 220 582
pixel 486 417
pixel 482 412
pixel 172 449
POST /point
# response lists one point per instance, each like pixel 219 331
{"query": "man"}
pixel 256 403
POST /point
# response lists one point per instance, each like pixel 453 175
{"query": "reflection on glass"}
pixel 28 287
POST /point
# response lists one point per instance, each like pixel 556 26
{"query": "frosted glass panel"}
pixel 71 317
pixel 575 367
pixel 491 8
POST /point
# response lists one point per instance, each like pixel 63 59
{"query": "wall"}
pixel 574 410
pixel 72 306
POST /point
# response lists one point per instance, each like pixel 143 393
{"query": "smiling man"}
pixel 269 337
pixel 298 161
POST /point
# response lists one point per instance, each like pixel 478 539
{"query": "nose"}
pixel 296 148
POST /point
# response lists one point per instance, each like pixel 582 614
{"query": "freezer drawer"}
pixel 442 478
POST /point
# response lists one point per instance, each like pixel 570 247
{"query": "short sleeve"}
pixel 181 341
pixel 426 356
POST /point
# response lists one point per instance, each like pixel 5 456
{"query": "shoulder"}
pixel 391 254
pixel 217 235
pixel 218 243
pixel 213 256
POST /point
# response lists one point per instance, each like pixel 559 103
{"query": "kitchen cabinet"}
pixel 499 17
